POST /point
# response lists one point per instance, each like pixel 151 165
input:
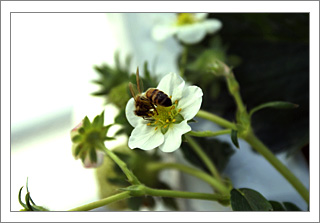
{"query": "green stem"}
pixel 156 166
pixel 209 133
pixel 184 194
pixel 123 166
pixel 103 202
pixel 203 157
pixel 266 153
pixel 216 119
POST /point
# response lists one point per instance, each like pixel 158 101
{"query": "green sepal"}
pixel 164 130
pixel 76 138
pixel 78 150
pixel 93 155
pixel 246 199
pixel 96 121
pixel 83 156
pixel 274 104
pixel 81 130
pixel 234 138
pixel 191 120
pixel 106 129
pixel 86 122
pixel 179 118
pixel 107 138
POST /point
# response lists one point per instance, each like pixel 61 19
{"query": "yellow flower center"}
pixel 166 117
pixel 185 19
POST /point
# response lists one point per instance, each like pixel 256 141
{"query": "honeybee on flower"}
pixel 165 124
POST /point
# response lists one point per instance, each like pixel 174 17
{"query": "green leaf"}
pixel 290 206
pixel 134 203
pixel 171 203
pixel 20 201
pixel 246 199
pixel 234 138
pixel 276 206
pixel 28 202
pixel 274 104
pixel 27 186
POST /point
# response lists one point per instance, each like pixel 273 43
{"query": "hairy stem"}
pixel 103 202
pixel 184 194
pixel 131 177
pixel 268 155
pixel 216 119
pixel 209 133
pixel 156 166
pixel 196 147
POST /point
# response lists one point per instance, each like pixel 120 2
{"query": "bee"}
pixel 146 103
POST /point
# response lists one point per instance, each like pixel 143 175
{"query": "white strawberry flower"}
pixel 164 130
pixel 190 28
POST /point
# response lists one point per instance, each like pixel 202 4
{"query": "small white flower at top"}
pixel 164 126
pixel 190 28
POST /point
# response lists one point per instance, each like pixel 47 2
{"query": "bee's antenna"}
pixel 138 80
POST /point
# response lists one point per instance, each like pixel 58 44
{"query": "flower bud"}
pixel 88 140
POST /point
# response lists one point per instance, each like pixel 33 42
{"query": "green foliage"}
pixel 274 104
pixel 284 206
pixel 112 77
pixel 88 137
pixel 234 138
pixel 272 65
pixel 246 199
pixel 111 178
pixel 29 205
pixel 219 152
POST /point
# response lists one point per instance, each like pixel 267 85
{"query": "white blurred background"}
pixel 53 55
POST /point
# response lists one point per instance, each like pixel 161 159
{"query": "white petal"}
pixel 131 117
pixel 200 16
pixel 191 102
pixel 145 137
pixel 172 140
pixel 191 34
pixel 162 32
pixel 212 25
pixel 172 84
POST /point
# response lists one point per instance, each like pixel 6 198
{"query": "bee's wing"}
pixel 133 90
pixel 139 82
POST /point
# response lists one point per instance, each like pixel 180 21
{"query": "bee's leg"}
pixel 154 108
